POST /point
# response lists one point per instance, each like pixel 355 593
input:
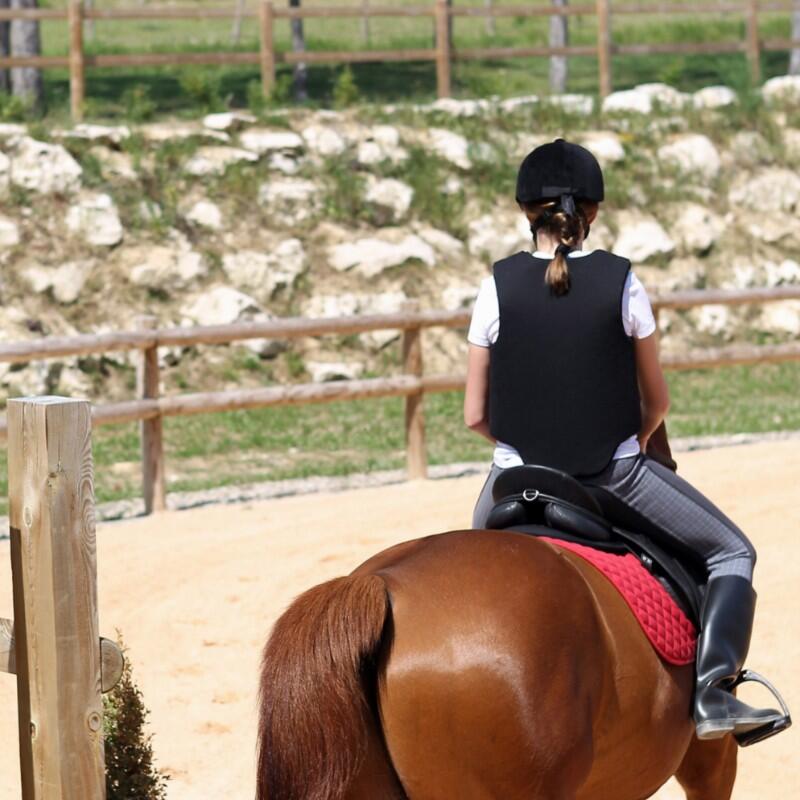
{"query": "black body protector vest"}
pixel 562 382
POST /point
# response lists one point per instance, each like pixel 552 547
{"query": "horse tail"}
pixel 317 679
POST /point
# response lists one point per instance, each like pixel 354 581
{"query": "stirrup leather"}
pixel 769 728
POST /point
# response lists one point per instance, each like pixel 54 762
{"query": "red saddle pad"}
pixel 666 626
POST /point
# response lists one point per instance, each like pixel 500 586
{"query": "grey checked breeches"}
pixel 681 512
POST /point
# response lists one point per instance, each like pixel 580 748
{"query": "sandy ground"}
pixel 195 593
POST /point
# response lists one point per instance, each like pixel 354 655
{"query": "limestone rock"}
pixel 228 120
pixel 495 236
pixel 44 168
pixel 781 317
pixel 641 237
pixel 441 241
pixel 458 296
pixel 215 159
pixel 158 132
pixel 626 101
pixel 749 149
pixel 460 108
pixel 281 162
pixel 206 214
pixel 450 146
pixel 11 130
pixel 264 140
pixel 714 97
pixel 321 371
pixel 5 173
pixel 95 217
pixel 291 200
pixel 221 305
pixel 784 88
pixel 382 143
pixel 582 104
pixel 109 134
pixel 324 140
pixel 165 268
pixel 369 257
pixel 604 145
pixel 712 319
pixel 692 154
pixel 697 228
pixel 264 273
pixel 772 227
pixel 511 104
pixel 787 272
pixel 114 163
pixel 9 232
pixel 74 383
pixel 66 281
pixel 666 96
pixel 772 189
pixel 791 142
pixel 149 210
pixel 392 195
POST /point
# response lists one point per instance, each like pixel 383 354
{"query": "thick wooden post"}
pixel 267 20
pixel 752 45
pixel 77 74
pixel 604 47
pixel 148 380
pixel 415 413
pixel 443 42
pixel 54 572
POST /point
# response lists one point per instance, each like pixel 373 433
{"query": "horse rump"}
pixel 316 690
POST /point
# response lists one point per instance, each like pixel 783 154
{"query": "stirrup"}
pixel 770 728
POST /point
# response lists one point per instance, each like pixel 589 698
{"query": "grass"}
pixel 118 92
pixel 336 439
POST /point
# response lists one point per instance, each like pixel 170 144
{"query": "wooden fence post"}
pixel 442 16
pixel 77 72
pixel 415 412
pixel 604 46
pixel 54 573
pixel 267 20
pixel 752 45
pixel 148 378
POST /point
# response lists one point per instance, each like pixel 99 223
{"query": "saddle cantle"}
pixel 542 501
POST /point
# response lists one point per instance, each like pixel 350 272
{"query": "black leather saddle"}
pixel 542 501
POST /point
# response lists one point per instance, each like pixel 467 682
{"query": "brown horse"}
pixel 474 665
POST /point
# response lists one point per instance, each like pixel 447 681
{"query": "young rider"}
pixel 563 371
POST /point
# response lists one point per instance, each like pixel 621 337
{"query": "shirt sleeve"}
pixel 637 313
pixel 485 322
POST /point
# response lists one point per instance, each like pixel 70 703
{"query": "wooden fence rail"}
pixel 443 53
pixel 150 408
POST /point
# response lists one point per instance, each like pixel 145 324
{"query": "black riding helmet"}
pixel 563 170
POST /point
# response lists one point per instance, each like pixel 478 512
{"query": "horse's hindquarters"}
pixel 506 679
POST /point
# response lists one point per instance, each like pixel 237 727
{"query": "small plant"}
pixel 139 106
pixel 203 89
pixel 345 89
pixel 13 108
pixel 130 771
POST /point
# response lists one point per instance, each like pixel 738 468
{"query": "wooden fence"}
pixel 150 408
pixel 443 53
pixel 53 645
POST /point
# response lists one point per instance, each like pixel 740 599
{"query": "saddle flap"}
pixel 554 482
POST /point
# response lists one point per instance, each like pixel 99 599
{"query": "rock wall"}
pixel 375 210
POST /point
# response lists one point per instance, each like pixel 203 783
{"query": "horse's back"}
pixel 504 674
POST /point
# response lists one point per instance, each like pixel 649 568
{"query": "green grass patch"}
pixel 362 436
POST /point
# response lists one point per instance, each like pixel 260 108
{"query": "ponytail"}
pixel 568 229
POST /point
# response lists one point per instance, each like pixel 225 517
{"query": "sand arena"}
pixel 195 593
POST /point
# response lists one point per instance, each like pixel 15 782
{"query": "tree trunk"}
pixel 26 82
pixel 794 58
pixel 559 37
pixel 299 46
pixel 5 50
pixel 365 27
pixel 491 27
pixel 236 32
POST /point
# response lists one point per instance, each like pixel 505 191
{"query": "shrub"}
pixel 345 89
pixel 130 771
pixel 203 89
pixel 138 104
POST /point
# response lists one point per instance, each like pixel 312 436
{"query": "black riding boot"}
pixel 727 621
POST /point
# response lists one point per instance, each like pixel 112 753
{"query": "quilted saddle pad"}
pixel 663 621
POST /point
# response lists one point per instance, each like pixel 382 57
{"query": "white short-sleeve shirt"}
pixel 638 322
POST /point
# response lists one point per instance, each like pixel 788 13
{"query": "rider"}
pixel 563 371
